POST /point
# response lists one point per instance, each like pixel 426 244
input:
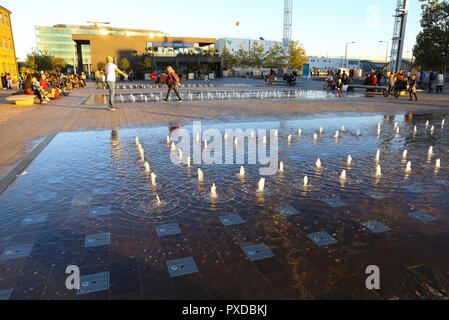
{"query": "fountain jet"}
pixel 318 164
pixel 349 162
pixel 378 171
pixel 153 178
pixel 200 175
pixel 147 166
pixel 408 168
pixel 213 191
pixel 242 171
pixel 261 185
pixel 343 175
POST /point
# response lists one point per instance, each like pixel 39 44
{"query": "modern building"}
pixel 234 44
pixel 8 62
pixel 86 46
pixel 324 63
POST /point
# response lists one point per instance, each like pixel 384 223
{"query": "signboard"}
pixel 306 70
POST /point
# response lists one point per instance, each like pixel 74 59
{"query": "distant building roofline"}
pixel 100 27
pixel 2 7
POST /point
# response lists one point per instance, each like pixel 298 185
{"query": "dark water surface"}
pixel 88 184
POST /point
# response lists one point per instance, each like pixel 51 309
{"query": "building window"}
pixel 10 44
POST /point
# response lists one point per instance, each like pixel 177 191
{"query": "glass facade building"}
pixel 57 41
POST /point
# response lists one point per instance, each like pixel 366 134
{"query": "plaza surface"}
pixel 242 248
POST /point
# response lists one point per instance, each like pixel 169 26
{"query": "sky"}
pixel 322 26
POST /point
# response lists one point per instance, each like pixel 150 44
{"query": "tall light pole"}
pixel 386 54
pixel 346 52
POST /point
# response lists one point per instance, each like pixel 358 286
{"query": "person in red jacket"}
pixel 172 82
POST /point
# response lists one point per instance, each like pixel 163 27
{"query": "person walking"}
pixel 440 81
pixel 111 79
pixel 413 88
pixel 432 79
pixel 173 82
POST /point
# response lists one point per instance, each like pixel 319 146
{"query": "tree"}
pixel 432 43
pixel 147 64
pixel 60 64
pixel 243 57
pixel 296 55
pixel 101 65
pixel 256 56
pixel 229 59
pixel 124 64
pixel 274 58
pixel 39 61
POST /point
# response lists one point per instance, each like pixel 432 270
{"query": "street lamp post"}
pixel 386 54
pixel 346 52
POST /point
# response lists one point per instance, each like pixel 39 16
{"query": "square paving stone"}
pixel 100 211
pixel 94 283
pixel 5 294
pixel 322 238
pixel 181 267
pixel 34 219
pixel 422 216
pixel 231 220
pixel 375 226
pixel 96 240
pixel 16 252
pixel 168 230
pixel 258 252
pixel 287 211
pixel 334 202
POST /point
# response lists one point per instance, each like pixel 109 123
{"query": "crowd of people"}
pixel 395 81
pixel 46 86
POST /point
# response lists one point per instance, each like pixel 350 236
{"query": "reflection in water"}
pixel 104 170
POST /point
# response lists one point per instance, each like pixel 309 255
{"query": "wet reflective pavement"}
pixel 86 200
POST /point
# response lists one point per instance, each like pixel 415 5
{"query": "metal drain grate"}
pixel 34 219
pixel 181 267
pixel 322 238
pixel 287 211
pixel 168 230
pixel 94 283
pixel 102 191
pixel 334 202
pixel 375 226
pixel 16 252
pixel 5 294
pixel 414 189
pixel 375 195
pixel 258 252
pixel 231 220
pixel 421 216
pixel 45 196
pixel 100 211
pixel 96 240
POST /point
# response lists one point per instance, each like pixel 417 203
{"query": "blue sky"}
pixel 323 26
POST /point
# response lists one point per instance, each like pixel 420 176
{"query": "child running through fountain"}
pixel 173 82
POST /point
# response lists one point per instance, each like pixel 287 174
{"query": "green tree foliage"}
pixel 101 65
pixel 296 55
pixel 256 56
pixel 229 59
pixel 60 64
pixel 432 43
pixel 275 57
pixel 147 64
pixel 38 61
pixel 124 64
pixel 243 57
